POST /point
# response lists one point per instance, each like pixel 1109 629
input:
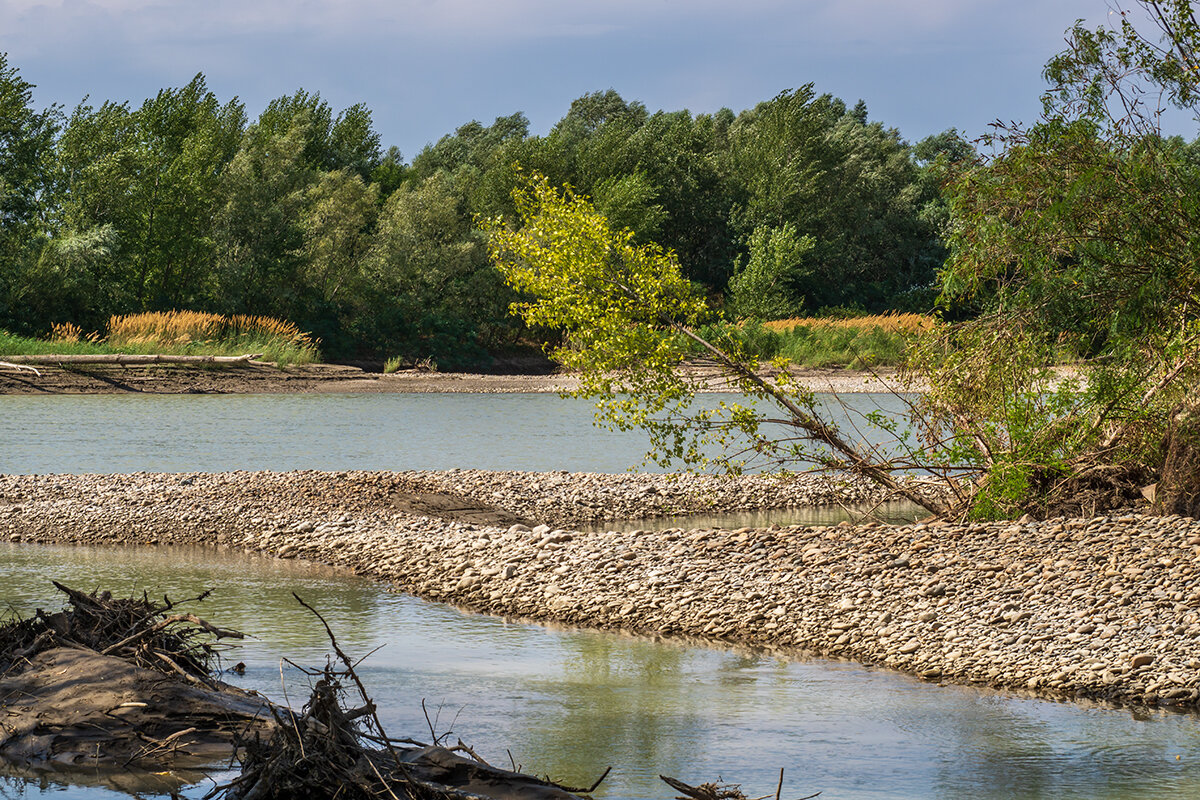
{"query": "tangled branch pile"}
pixel 330 750
pixel 138 630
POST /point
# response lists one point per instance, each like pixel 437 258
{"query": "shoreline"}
pixel 1105 609
pixel 335 378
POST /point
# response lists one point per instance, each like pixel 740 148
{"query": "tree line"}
pixel 184 202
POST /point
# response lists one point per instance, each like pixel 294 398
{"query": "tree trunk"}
pixel 1178 490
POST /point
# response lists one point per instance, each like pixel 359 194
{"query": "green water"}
pixel 570 703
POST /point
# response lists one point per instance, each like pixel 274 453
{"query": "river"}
pixel 216 433
pixel 563 702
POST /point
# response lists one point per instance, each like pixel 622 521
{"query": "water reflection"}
pixel 570 703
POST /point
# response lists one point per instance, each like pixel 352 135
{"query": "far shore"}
pixel 1105 608
pixel 336 378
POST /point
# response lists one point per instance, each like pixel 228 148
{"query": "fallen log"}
pixel 128 358
pixel 19 367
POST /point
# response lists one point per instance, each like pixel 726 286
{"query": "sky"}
pixel 424 67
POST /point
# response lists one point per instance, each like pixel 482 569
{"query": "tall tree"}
pixel 154 175
pixel 445 300
pixel 851 185
pixel 346 140
pixel 258 229
pixel 1083 235
pixel 26 152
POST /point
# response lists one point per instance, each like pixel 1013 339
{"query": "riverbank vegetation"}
pixel 184 201
pixel 857 341
pixel 1079 235
pixel 175 333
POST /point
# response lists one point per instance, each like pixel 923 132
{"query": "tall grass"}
pixel 177 333
pixel 879 340
pixel 911 324
pixel 854 342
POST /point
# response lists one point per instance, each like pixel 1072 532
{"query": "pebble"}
pixel 1113 614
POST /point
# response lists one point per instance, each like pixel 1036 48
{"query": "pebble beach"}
pixel 1106 608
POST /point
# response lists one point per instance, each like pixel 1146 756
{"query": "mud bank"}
pixel 334 378
pixel 1104 608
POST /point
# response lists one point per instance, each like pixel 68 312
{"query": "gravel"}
pixel 1104 608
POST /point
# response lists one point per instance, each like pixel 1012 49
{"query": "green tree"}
pixel 154 176
pixel 346 140
pixel 258 229
pixel 763 289
pixel 73 280
pixel 1081 235
pixel 438 295
pixel 853 186
pixel 26 153
pixel 630 318
pixel 336 221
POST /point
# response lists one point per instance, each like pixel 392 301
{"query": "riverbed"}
pixel 572 702
pixel 1092 594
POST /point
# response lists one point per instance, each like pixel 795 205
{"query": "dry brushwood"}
pixel 720 791
pixel 331 750
pixel 138 630
pixel 118 682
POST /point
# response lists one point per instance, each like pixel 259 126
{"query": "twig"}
pixel 362 690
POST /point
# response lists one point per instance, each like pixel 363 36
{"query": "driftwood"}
pixel 126 358
pixel 331 750
pixel 720 791
pixel 113 682
pixel 19 367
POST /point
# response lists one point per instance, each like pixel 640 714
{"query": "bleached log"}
pixel 20 367
pixel 126 358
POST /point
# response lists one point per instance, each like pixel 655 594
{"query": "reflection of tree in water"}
pixel 1002 747
pixel 646 708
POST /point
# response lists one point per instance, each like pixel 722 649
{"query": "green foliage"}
pixel 851 185
pixel 26 150
pixel 764 288
pixel 815 346
pixel 629 319
pixel 449 303
pixel 257 231
pixel 1082 235
pixel 620 305
pixel 182 202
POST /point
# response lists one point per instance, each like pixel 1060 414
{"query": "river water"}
pixel 564 702
pixel 570 703
pixel 216 433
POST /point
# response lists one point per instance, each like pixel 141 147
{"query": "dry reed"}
pixel 891 323
pixel 184 327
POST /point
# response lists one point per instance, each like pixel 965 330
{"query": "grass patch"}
pixel 176 333
pixel 855 342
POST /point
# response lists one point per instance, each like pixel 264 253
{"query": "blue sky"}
pixel 426 66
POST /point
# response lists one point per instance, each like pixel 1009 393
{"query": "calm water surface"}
pixel 570 703
pixel 214 433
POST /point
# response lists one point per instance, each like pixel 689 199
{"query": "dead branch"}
pixel 125 358
pixel 19 367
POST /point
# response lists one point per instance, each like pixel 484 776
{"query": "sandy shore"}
pixel 1105 608
pixel 333 378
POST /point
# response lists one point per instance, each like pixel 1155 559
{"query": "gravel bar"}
pixel 1105 608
